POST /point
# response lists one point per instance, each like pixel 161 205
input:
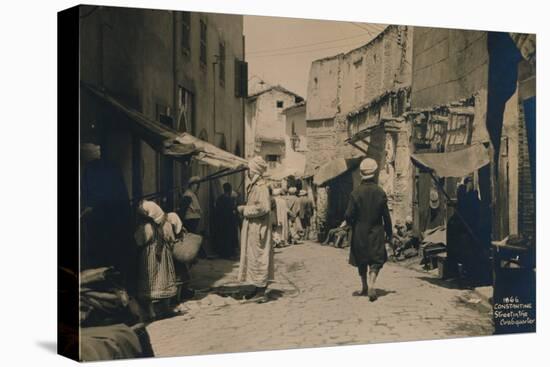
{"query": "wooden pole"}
pixel 219 174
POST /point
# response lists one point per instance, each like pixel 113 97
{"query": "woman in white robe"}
pixel 156 277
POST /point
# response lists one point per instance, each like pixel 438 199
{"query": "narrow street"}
pixel 313 307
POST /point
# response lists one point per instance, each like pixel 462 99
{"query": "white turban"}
pixel 151 210
pixel 257 165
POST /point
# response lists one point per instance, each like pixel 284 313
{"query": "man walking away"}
pixel 305 213
pixel 369 217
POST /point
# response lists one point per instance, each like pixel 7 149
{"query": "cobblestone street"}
pixel 314 307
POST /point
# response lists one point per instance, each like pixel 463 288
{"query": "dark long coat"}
pixel 226 226
pixel 368 214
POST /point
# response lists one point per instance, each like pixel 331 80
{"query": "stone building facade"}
pixel 351 95
pixel 181 69
pixel 266 132
pixel 448 106
pixel 466 89
pixel 295 139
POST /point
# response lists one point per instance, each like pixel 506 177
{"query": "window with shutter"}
pixel 244 79
pixel 241 78
pixel 186 31
pixel 221 62
pixel 203 43
pixel 237 81
pixel 185 121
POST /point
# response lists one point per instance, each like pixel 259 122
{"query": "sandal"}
pixel 251 295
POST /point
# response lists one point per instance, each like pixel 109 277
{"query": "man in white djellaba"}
pixel 256 263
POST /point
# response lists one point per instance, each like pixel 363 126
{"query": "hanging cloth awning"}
pixel 526 44
pixel 459 163
pixel 168 141
pixel 334 168
pixel 283 172
pixel 211 154
pixel 159 137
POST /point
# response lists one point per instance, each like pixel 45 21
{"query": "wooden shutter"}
pixel 244 79
pixel 241 78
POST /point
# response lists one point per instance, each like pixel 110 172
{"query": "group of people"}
pixel 292 213
pixel 406 241
pixel 276 218
pixel 169 242
pixel 225 231
pixel 268 218
pixel 367 216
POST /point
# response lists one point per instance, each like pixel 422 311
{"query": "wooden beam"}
pixel 354 144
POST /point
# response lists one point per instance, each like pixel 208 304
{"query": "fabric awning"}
pixel 334 168
pixel 459 163
pixel 283 172
pixel 526 44
pixel 168 141
pixel 211 154
pixel 159 137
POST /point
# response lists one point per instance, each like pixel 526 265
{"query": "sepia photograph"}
pixel 252 183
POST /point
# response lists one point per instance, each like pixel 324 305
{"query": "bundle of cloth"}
pixel 119 341
pixel 109 319
pixel 102 300
pixel 434 242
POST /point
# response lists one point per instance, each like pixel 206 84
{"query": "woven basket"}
pixel 187 249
